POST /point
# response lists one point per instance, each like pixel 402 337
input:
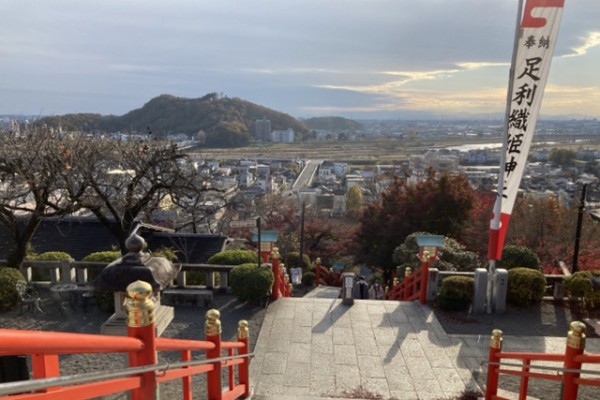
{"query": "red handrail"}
pixel 142 346
pixel 571 365
pixel 410 289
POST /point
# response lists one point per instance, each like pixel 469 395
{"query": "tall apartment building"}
pixel 262 129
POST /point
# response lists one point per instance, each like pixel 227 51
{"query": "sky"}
pixel 352 58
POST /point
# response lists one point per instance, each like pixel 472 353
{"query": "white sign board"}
pixel 244 223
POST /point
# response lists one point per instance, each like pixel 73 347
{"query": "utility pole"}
pixel 578 230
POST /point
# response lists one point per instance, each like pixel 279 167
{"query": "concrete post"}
pixel 433 284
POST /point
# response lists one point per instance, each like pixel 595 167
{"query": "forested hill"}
pixel 332 124
pixel 224 121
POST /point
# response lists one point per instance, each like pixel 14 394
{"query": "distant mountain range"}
pixel 219 121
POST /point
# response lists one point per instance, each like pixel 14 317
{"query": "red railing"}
pixel 281 284
pixel 327 277
pixel 414 285
pixel 568 372
pixel 141 345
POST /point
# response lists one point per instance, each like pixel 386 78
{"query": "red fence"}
pixel 281 284
pixel 568 371
pixel 141 345
pixel 327 277
pixel 413 287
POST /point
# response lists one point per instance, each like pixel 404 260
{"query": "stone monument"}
pixel 136 265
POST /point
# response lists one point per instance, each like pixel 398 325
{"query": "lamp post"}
pixel 578 229
pixel 429 245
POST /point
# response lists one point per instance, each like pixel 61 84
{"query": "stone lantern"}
pixel 136 265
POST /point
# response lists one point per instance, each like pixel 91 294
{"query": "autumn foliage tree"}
pixel 439 205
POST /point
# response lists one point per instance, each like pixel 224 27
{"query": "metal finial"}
pixel 243 331
pixel 139 304
pixel 212 325
pixel 496 339
pixel 576 335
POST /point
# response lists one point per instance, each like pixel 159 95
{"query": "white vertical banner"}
pixel 531 65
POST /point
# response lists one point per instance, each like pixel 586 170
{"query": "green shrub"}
pixel 227 257
pixel 252 283
pixel 456 293
pixel 579 285
pixel 233 257
pixel 54 256
pixel 293 260
pixel 519 257
pixel 308 278
pixel 525 286
pixel 9 297
pixel 43 274
pixel 102 256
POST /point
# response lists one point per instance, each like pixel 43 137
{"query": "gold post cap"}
pixel 212 326
pixel 243 331
pixel 496 339
pixel 576 335
pixel 139 304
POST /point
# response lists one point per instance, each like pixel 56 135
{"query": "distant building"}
pixel 285 136
pixel 262 129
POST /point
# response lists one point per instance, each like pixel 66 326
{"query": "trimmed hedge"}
pixel 308 278
pixel 252 283
pixel 456 293
pixel 234 257
pixel 102 256
pixel 525 286
pixel 42 274
pixel 580 285
pixel 519 257
pixel 9 297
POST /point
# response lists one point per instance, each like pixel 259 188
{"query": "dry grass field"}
pixel 377 150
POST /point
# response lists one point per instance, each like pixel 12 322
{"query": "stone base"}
pixel 117 325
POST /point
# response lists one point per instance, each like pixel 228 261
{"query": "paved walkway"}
pixel 315 347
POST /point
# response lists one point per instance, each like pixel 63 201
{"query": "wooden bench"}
pixel 195 296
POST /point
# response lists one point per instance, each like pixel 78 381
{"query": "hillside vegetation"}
pixel 332 124
pixel 225 122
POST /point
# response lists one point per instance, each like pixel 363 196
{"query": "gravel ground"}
pixel 187 324
pixel 550 318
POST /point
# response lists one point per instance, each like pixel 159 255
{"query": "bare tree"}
pixel 126 179
pixel 36 182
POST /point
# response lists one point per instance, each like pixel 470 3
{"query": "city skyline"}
pixel 353 58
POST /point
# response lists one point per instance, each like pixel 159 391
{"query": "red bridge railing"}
pixel 141 345
pixel 327 277
pixel 281 284
pixel 568 371
pixel 414 285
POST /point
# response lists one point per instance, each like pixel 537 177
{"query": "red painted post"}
pixel 212 333
pixel 491 388
pixel 244 368
pixel 45 366
pixel 186 355
pixel 575 347
pixel 140 325
pixel 276 289
pixel 425 261
pixel 407 281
